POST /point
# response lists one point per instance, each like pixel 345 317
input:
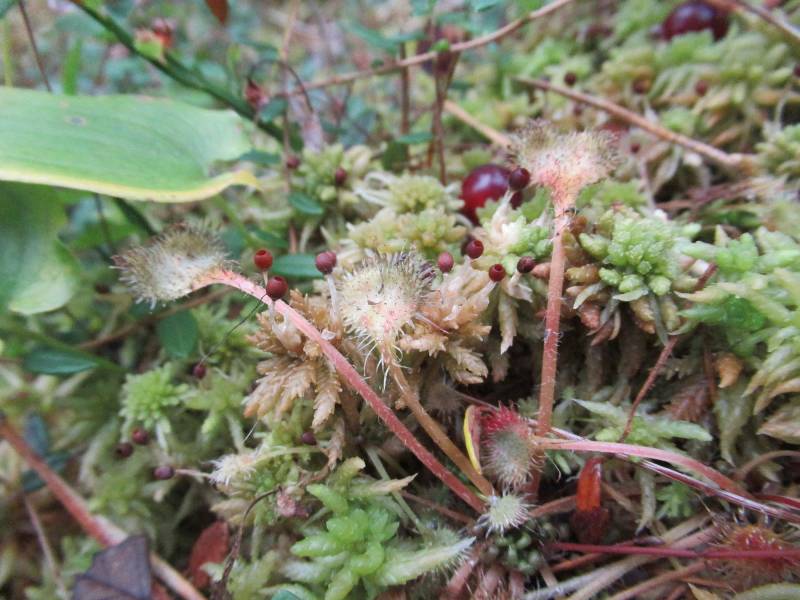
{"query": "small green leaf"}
pixel 261 158
pixel 285 595
pixel 305 204
pixel 298 266
pixel 55 361
pixel 418 137
pixel 372 37
pixel 272 109
pixel 272 240
pixel 37 272
pixel 178 334
pixel 5 6
pixel 72 69
pixel 36 434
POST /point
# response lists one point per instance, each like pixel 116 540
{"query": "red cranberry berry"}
pixel 124 449
pixel 570 78
pixel 445 262
pixel 474 249
pixel 525 264
pixel 292 162
pixel 516 199
pixel 140 436
pixel 519 178
pixel 339 177
pixel 701 87
pixel 695 15
pixel 277 287
pixel 497 272
pixel 797 71
pixel 262 259
pixel 199 370
pixel 487 182
pixel 325 262
pixel 163 472
pixel 308 438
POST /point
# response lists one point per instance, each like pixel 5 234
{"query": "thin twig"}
pixel 32 38
pixel 44 544
pixel 99 528
pixel 405 103
pixel 742 162
pixel 419 59
pixel 666 351
pixel 788 30
pixel 666 551
pixel 491 134
pixel 638 591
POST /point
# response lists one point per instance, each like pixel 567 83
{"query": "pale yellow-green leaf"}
pixel 132 147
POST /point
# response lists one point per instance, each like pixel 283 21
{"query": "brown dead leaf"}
pixel 219 8
pixel 211 547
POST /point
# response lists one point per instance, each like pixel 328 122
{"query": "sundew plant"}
pixel 398 300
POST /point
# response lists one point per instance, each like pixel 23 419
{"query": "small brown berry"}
pixel 262 259
pixel 519 178
pixel 445 262
pixel 474 249
pixel 339 177
pixel 140 436
pixel 525 264
pixel 497 272
pixel 641 86
pixel 325 262
pixel 308 438
pixel 516 199
pixel 292 162
pixel 124 449
pixel 163 472
pixel 570 78
pixel 797 71
pixel 701 87
pixel 277 287
pixel 199 370
pixel 635 147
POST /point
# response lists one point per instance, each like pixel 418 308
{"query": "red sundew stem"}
pixel 552 319
pixel 351 376
pixel 643 452
pixel 677 552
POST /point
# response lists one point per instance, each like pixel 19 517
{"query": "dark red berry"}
pixel 199 370
pixel 641 86
pixel 124 449
pixel 497 272
pixel 570 78
pixel 695 15
pixel 474 249
pixel 519 178
pixel 525 264
pixel 292 162
pixel 577 110
pixel 308 438
pixel 325 262
pixel 339 177
pixel 701 87
pixel 516 199
pixel 277 287
pixel 140 436
pixel 487 182
pixel 262 259
pixel 163 472
pixel 445 262
pixel 635 148
pixel 797 71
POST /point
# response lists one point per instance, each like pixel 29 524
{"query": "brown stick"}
pixel 405 103
pixel 491 134
pixel 99 528
pixel 418 59
pixel 743 162
pixel 32 38
pixel 785 27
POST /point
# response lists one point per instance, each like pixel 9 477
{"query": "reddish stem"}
pixel 643 452
pixel 353 379
pixel 552 321
pixel 675 552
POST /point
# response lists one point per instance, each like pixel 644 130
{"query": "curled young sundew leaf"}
pixel 171 265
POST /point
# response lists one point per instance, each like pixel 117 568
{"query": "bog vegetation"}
pixel 402 300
